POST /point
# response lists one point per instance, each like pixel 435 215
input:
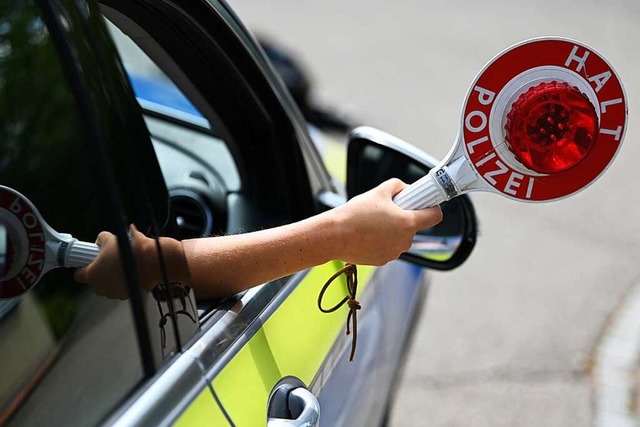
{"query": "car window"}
pixel 241 171
pixel 197 165
pixel 152 87
pixel 68 356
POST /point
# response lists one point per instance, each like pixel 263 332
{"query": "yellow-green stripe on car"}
pixel 203 411
pixel 294 341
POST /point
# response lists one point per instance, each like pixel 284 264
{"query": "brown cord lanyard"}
pixel 351 272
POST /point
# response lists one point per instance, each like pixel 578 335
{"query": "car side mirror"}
pixel 374 157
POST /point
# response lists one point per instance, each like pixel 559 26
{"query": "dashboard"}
pixel 199 173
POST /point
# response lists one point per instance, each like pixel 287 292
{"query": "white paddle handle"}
pixel 80 254
pixel 424 193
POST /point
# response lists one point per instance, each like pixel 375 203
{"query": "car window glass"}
pixel 197 165
pixel 68 356
pixel 152 87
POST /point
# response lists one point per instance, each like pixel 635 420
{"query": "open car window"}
pixel 197 165
pixel 227 175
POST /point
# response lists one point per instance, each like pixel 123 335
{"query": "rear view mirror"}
pixel 374 157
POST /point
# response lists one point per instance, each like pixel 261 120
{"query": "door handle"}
pixel 302 409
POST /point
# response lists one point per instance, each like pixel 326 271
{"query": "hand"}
pixel 105 275
pixel 376 229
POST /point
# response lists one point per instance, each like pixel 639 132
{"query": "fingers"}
pixel 391 187
pixel 423 218
pixel 103 238
pixel 428 217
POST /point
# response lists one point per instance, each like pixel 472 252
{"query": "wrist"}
pixel 336 232
pixel 174 260
pixel 149 265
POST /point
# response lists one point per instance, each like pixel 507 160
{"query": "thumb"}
pixel 428 217
pixel 103 238
pixel 391 187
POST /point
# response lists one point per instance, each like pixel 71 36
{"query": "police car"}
pixel 228 153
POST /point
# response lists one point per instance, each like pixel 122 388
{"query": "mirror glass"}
pixel 371 163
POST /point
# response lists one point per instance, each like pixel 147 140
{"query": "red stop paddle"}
pixel 32 246
pixel 542 120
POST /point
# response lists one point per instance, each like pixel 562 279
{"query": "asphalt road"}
pixel 509 338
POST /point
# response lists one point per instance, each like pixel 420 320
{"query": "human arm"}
pixel 369 229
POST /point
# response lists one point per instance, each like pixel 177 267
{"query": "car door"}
pixel 236 157
pixel 74 144
pixel 253 341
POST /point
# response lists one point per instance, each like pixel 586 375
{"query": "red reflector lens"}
pixel 551 127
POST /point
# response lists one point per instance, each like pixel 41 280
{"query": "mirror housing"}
pixel 374 157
